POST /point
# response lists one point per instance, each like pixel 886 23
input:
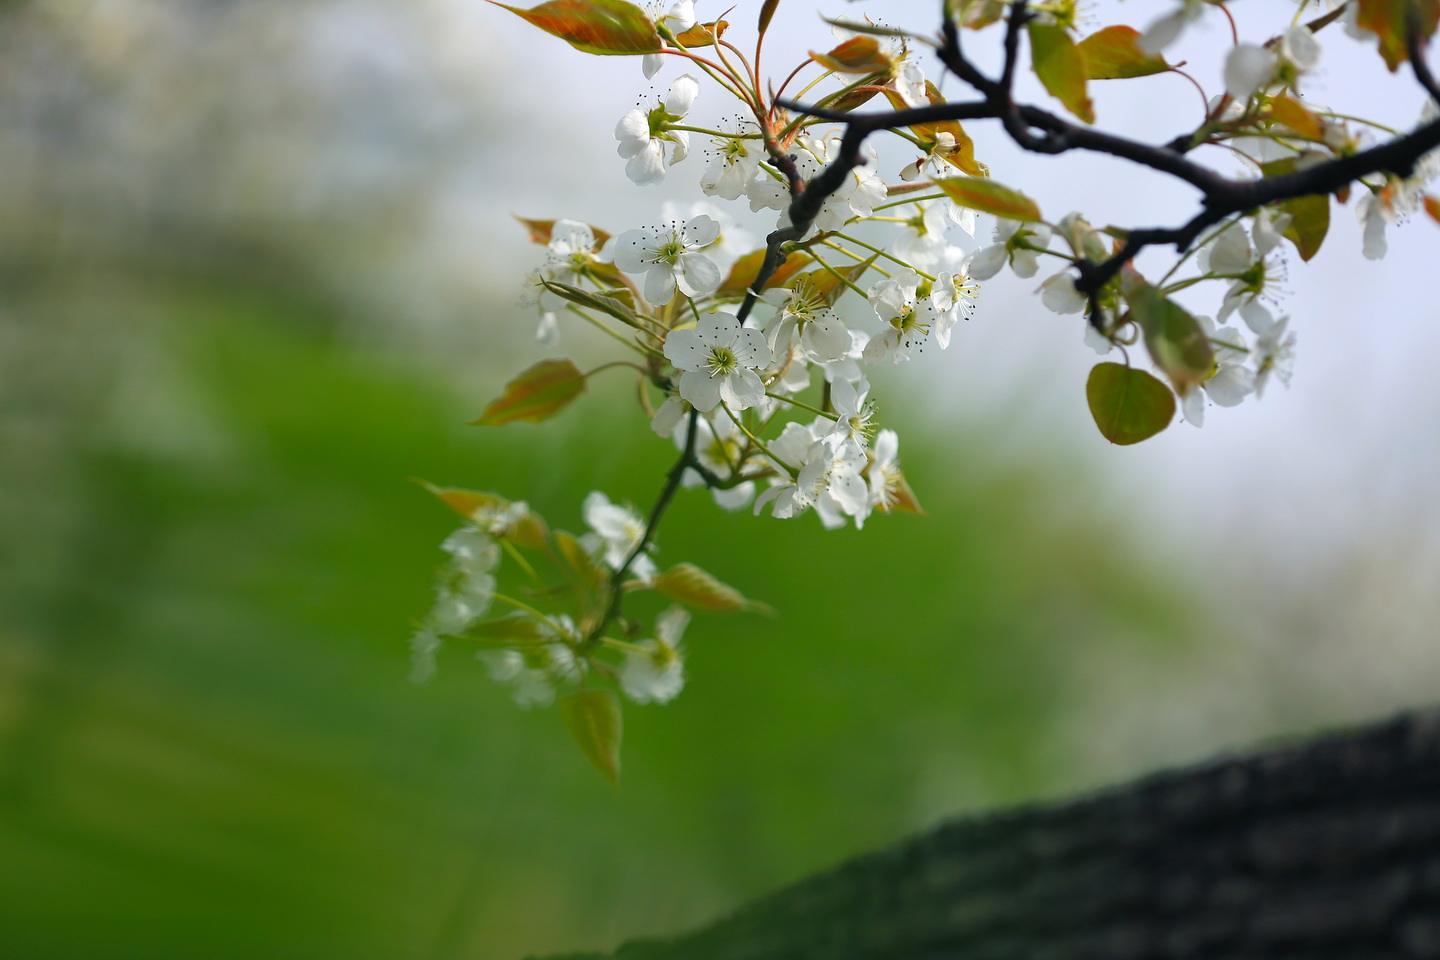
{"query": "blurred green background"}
pixel 234 321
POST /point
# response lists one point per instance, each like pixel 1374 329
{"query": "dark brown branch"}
pixel 686 461
pixel 1221 196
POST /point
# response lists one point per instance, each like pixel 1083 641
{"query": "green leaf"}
pixel 606 27
pixel 514 630
pixel 539 231
pixel 1128 405
pixel 858 55
pixel 696 588
pixel 1293 114
pixel 744 270
pixel 1309 216
pixel 1114 54
pixel 1309 223
pixel 595 301
pixel 767 13
pixel 987 196
pixel 1389 20
pixel 1176 341
pixel 586 568
pixel 593 718
pixel 1060 65
pixel 537 394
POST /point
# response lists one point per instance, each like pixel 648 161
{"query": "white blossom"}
pixel 1166 29
pixel 1300 49
pixel 734 163
pixel 910 84
pixel 829 476
pixel 669 257
pixel 855 411
pixel 804 319
pixel 952 296
pixel 463 594
pixel 1248 67
pixel 668 416
pixel 1232 255
pixel 615 533
pixel 1060 295
pixel 654 671
pixel 1012 243
pixel 894 300
pixel 886 480
pixel 718 359
pixel 719 445
pixel 1274 355
pixel 1232 381
pixel 678 18
pixel 644 135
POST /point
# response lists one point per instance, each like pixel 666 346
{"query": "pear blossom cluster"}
pixel 770 381
pixel 537 655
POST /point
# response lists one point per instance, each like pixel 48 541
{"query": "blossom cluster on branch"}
pixel 754 359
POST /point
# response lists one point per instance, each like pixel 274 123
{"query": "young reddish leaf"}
pixel 688 584
pixel 849 100
pixel 826 286
pixel 466 502
pixel 524 528
pixel 539 231
pixel 606 27
pixel 593 718
pixel 537 394
pixel 1128 405
pixel 1115 54
pixel 1176 341
pixel 1290 112
pixel 581 562
pixel 1432 207
pixel 703 34
pixel 767 13
pixel 860 55
pixel 987 196
pixel 902 498
pixel 962 155
pixel 1060 65
pixel 747 268
pixel 1390 21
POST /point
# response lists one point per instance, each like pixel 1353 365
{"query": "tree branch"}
pixel 673 479
pixel 1220 196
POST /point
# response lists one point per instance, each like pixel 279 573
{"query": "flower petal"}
pixel 698 275
pixel 701 389
pixel 682 95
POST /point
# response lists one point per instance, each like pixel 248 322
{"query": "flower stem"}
pixel 657 512
pixel 836 273
pixel 801 404
pixel 854 256
pixel 759 444
pixel 888 256
pixel 538 614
